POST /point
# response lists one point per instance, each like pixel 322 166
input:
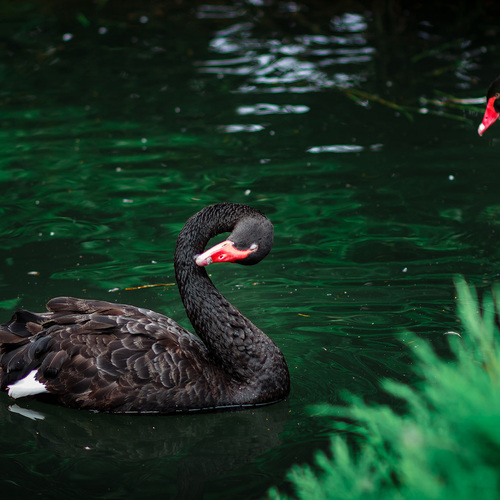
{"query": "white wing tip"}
pixel 27 386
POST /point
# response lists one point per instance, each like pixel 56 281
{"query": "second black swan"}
pixel 492 111
pixel 108 357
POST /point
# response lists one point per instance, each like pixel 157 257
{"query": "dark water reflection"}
pixel 130 457
pixel 286 63
pixel 117 124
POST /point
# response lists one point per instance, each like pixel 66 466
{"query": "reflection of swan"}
pixel 128 457
pixel 25 412
pixel 492 107
pixel 119 358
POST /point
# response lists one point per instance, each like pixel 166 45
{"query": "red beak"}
pixel 223 252
pixel 490 116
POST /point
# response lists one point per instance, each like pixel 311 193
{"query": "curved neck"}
pixel 237 346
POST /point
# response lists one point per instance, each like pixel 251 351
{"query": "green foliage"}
pixel 447 442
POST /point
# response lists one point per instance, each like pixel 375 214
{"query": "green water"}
pixel 118 124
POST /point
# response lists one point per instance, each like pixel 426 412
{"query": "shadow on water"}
pixel 128 456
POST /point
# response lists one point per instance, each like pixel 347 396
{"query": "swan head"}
pixel 492 107
pixel 249 242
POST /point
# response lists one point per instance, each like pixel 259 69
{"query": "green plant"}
pixel 446 444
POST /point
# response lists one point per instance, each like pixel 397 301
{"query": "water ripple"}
pixel 344 148
pixel 219 12
pixel 292 63
pixel 239 127
pixel 268 109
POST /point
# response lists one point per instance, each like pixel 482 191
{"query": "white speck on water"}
pixel 67 37
pixel 451 177
pixel 235 128
pixel 336 148
pixel 247 192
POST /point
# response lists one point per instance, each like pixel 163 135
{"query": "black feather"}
pixel 114 357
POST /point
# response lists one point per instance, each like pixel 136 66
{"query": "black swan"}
pixel 108 357
pixel 492 106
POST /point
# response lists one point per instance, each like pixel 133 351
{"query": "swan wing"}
pixel 101 355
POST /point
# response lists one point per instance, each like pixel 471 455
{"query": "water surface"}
pixel 116 126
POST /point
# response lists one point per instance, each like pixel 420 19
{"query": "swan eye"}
pixel 254 246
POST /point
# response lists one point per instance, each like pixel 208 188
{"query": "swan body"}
pixel 102 356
